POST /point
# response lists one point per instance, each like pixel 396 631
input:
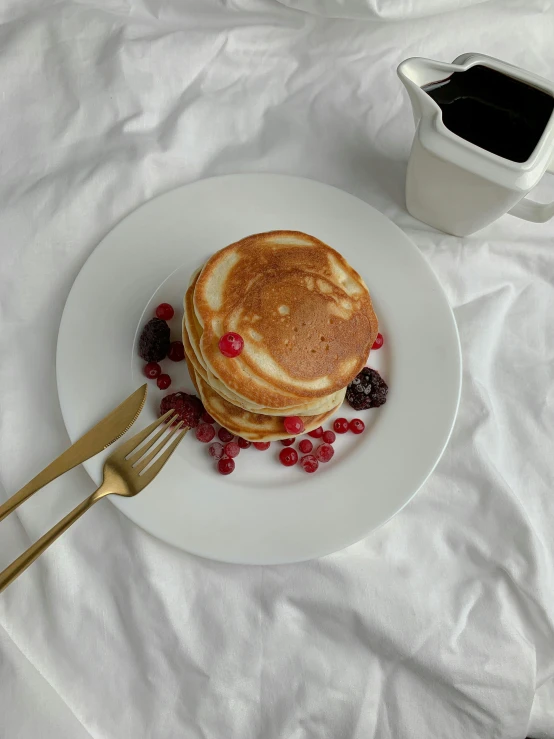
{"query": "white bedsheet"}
pixel 439 625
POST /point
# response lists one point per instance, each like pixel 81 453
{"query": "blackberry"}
pixel 188 407
pixel 367 390
pixel 154 341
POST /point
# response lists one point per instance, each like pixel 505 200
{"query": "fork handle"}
pixel 24 560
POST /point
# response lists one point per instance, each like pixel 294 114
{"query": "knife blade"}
pixel 106 431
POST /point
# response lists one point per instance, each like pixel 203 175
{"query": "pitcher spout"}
pixel 417 72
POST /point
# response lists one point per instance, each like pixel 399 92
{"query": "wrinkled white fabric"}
pixel 441 624
pixel 378 9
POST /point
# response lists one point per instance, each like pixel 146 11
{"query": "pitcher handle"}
pixel 530 210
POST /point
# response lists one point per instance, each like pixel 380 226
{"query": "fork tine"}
pixel 152 471
pixel 145 461
pixel 133 443
pixel 138 453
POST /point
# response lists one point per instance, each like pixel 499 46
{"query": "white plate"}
pixel 264 513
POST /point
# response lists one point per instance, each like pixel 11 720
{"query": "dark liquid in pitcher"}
pixel 494 111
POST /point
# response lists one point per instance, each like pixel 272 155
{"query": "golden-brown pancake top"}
pixel 304 313
pixel 192 334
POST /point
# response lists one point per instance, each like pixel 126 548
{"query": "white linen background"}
pixel 439 624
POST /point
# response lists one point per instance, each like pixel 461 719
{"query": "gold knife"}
pixel 106 431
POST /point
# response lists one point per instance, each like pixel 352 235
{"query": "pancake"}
pixel 190 322
pixel 192 332
pixel 304 313
pixel 251 426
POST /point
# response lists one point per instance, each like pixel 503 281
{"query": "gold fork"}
pixel 127 471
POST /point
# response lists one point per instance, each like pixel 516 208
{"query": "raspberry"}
pixel 226 465
pixel 356 425
pixel 216 450
pixel 305 446
pixel 262 445
pixel 165 311
pixel 176 351
pixel 367 390
pixel 205 432
pixel 341 425
pixel 287 442
pixel 316 433
pixel 154 341
pixel 309 463
pixel 225 435
pixel 329 437
pixel 188 407
pixel 232 449
pixel 243 443
pixel 163 382
pixel 324 452
pixel 207 418
pixel 294 425
pixel 231 345
pixel 288 457
pixel 152 370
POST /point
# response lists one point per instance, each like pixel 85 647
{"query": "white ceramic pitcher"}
pixel 459 187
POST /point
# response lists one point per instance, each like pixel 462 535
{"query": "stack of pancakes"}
pixel 307 323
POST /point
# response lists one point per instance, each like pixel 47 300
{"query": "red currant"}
pixel 341 425
pixel 207 418
pixel 316 433
pixel 176 351
pixel 294 425
pixel 163 382
pixel 288 457
pixel 165 312
pixel 243 443
pixel 225 435
pixel 329 437
pixel 287 442
pixel 226 465
pixel 305 446
pixel 309 463
pixel 205 432
pixel 232 449
pixel 379 341
pixel 324 452
pixel 357 425
pixel 262 445
pixel 216 450
pixel 152 370
pixel 231 345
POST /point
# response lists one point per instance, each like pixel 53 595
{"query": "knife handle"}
pixel 109 429
pixel 63 463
